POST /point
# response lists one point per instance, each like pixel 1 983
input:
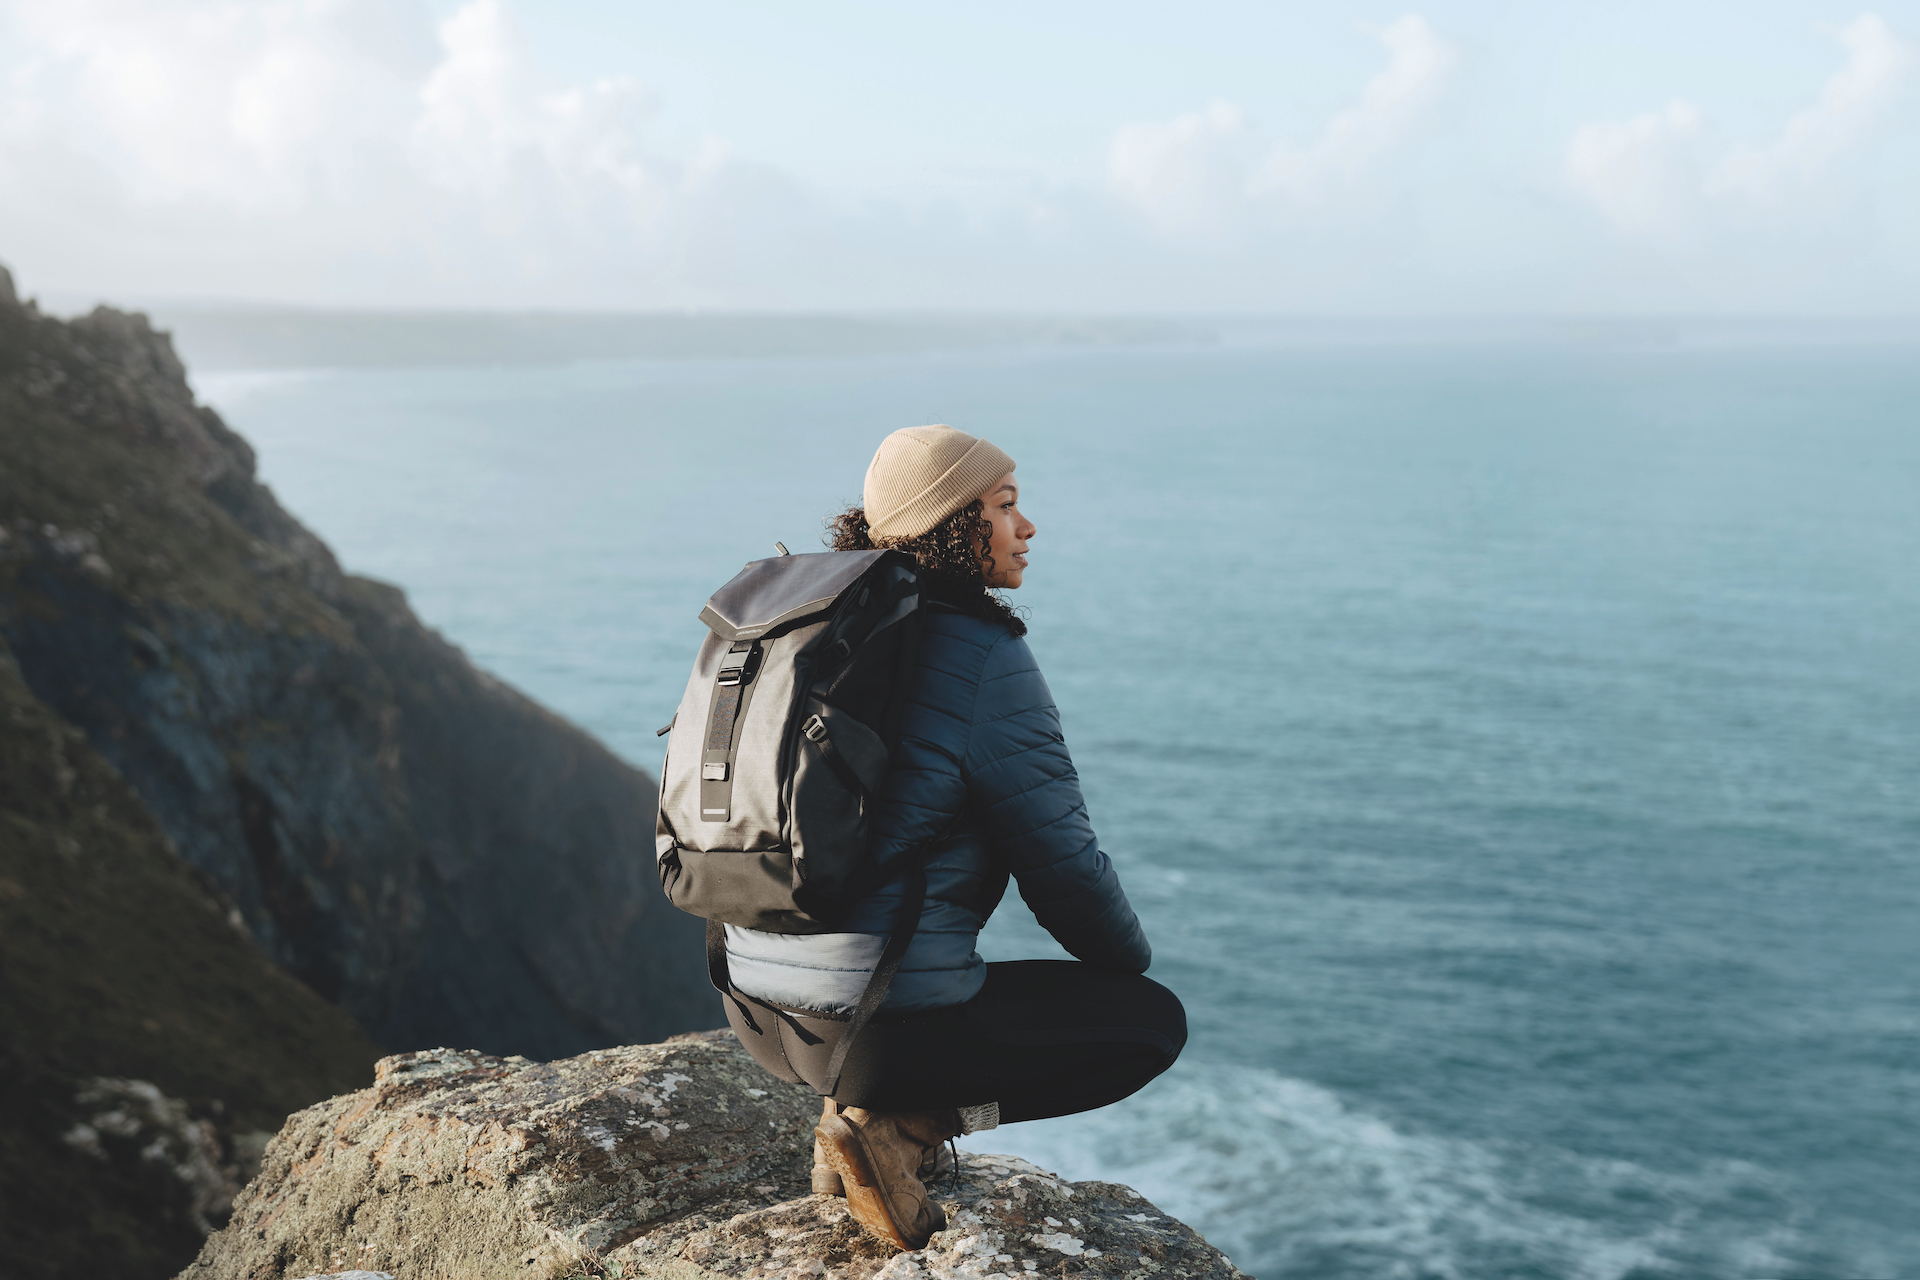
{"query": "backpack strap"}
pixel 717 971
pixel 905 925
pixel 815 731
pixel 732 691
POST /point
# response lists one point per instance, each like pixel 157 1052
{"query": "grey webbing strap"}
pixel 717 970
pixel 732 686
pixel 815 731
pixel 794 1024
pixel 904 927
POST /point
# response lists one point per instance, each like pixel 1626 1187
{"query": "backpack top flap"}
pixel 782 589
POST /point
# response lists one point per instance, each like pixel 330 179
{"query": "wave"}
pixel 1292 1182
pixel 228 389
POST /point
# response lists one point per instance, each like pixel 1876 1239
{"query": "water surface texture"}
pixel 1512 750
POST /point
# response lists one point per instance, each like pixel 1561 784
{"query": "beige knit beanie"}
pixel 922 475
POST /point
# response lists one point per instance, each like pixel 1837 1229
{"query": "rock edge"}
pixel 682 1159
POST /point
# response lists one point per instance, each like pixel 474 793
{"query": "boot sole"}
pixel 848 1156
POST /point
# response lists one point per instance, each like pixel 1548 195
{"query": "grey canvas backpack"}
pixel 779 751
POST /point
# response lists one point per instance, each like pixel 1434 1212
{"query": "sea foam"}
pixel 1291 1181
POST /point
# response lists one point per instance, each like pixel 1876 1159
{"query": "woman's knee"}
pixel 1169 1017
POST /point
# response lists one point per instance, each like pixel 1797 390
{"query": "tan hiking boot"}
pixel 937 1163
pixel 878 1155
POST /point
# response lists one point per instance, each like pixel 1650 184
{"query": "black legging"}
pixel 1043 1038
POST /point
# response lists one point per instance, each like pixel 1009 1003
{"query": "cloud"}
pixel 1642 175
pixel 539 156
pixel 1186 175
pixel 1651 177
pixel 1203 172
pixel 314 132
pixel 475 106
pixel 382 152
pixel 1419 64
pixel 1849 105
pixel 484 111
pixel 227 105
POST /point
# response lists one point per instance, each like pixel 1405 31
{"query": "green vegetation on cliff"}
pixel 413 839
pixel 118 960
pixel 254 817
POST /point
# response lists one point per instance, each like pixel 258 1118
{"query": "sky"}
pixel 1212 157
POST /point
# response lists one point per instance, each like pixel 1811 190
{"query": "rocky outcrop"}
pixel 415 841
pixel 681 1159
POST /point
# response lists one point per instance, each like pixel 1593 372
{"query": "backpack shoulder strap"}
pixel 905 925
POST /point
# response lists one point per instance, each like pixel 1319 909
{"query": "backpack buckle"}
pixel 815 729
pixel 736 665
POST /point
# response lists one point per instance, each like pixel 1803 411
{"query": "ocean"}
pixel 1511 744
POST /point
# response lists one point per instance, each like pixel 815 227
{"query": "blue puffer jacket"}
pixel 981 737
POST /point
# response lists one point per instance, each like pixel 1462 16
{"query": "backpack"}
pixel 779 751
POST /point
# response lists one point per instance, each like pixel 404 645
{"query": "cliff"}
pixel 681 1160
pixel 147 1046
pixel 255 818
pixel 416 842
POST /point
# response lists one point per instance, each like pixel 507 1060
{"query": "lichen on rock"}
pixel 679 1159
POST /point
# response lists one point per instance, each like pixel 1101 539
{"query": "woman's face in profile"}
pixel 1011 530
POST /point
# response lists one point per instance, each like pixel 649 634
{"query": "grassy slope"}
pixel 451 862
pixel 108 478
pixel 116 960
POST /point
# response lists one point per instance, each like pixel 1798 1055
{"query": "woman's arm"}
pixel 1021 783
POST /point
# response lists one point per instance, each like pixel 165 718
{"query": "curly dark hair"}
pixel 954 554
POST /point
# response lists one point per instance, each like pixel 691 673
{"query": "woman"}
pixel 960 1045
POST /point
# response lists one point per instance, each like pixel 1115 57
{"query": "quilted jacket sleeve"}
pixel 1022 785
